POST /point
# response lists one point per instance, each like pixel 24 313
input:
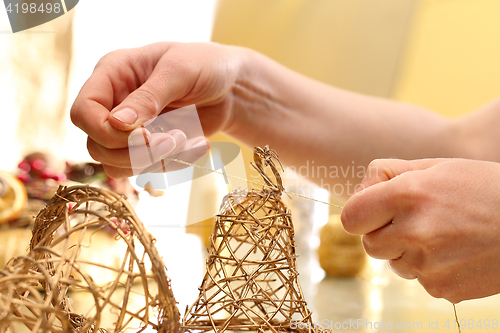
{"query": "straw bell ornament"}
pixel 36 291
pixel 251 281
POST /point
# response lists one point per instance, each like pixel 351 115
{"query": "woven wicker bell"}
pixel 251 281
pixel 37 291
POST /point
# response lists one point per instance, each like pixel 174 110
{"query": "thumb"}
pixel 164 85
pixel 382 170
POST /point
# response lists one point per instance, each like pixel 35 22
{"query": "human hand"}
pixel 130 87
pixel 435 220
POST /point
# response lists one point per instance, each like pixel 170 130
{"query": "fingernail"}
pixel 139 136
pixel 201 143
pixel 126 116
pixel 179 137
pixel 164 148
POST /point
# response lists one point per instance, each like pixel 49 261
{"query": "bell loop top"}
pixel 266 157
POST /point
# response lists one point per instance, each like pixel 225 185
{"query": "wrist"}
pixel 254 96
pixel 477 133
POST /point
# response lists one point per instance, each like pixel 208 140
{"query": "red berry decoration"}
pixel 60 177
pixel 24 166
pixel 24 177
pixel 37 164
pixel 47 175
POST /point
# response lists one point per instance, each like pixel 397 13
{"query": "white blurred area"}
pixel 101 27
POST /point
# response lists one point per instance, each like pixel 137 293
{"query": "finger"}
pixel 384 243
pixel 369 209
pixel 170 80
pixel 113 157
pixel 116 76
pixel 377 205
pixel 382 170
pixel 140 156
pixel 192 151
pixel 162 145
pixel 90 112
pixel 180 142
pixel 401 268
pixel 117 173
pixel 139 136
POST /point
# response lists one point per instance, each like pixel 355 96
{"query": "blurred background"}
pixel 441 54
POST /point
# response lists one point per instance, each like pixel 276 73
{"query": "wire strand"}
pixel 456 318
pixel 249 181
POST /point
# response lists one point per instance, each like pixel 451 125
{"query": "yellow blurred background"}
pixel 440 54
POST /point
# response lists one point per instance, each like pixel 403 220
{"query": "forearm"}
pixel 307 120
pixel 478 134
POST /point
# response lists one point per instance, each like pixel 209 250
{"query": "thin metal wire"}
pixel 249 181
pixel 456 318
pixel 131 143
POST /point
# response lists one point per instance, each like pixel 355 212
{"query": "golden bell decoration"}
pixel 251 281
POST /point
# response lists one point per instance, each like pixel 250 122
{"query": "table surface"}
pixel 376 301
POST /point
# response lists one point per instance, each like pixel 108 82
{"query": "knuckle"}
pixel 104 60
pixel 146 99
pixel 148 95
pixel 93 151
pixel 438 288
pixel 384 169
pixel 110 57
pixel 374 168
pixel 424 237
pixel 420 238
pixel 423 266
pixel 111 171
pixel 433 289
pixel 376 162
pixel 117 173
pixel 369 245
pixel 181 67
pixel 412 191
pixel 402 268
pixel 347 219
pixel 75 115
pixel 373 247
pixel 112 141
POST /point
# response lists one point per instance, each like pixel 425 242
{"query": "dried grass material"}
pixel 35 289
pixel 251 281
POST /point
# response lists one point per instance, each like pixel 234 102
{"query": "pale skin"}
pixel 433 219
pixel 259 102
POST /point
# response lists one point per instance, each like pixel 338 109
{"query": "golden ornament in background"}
pixel 340 253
